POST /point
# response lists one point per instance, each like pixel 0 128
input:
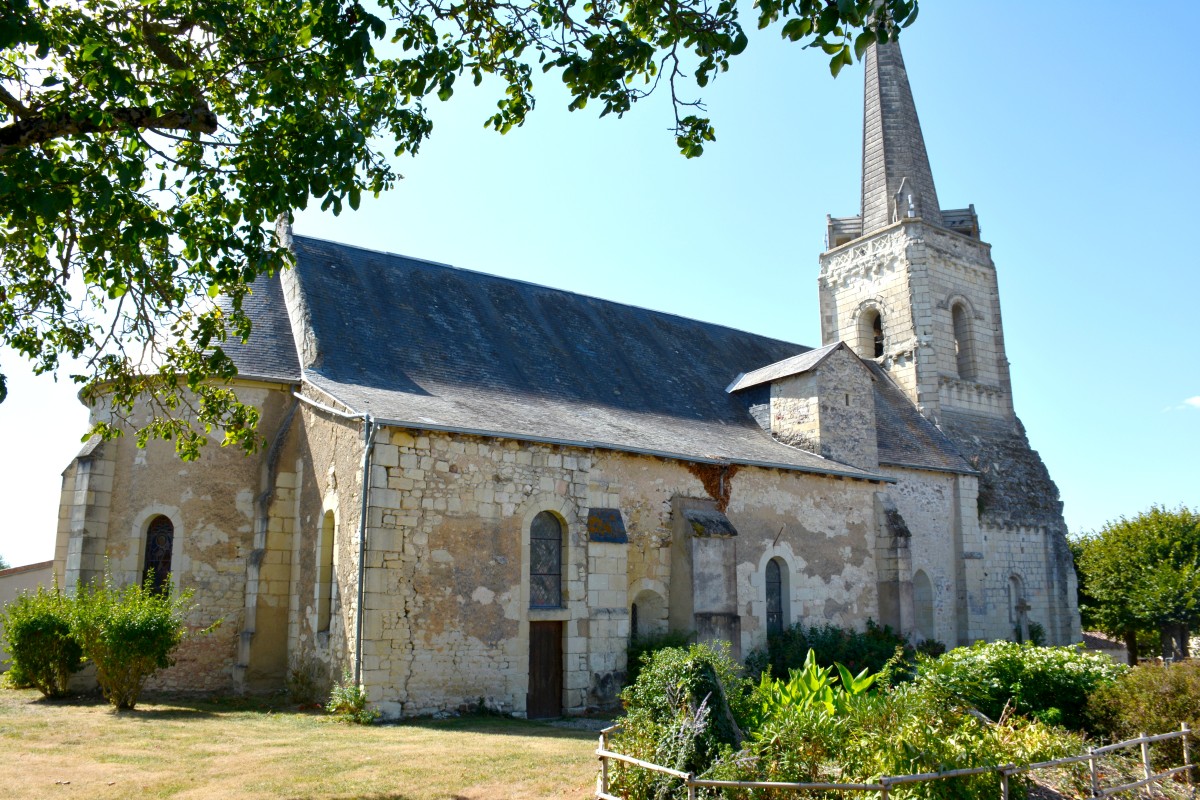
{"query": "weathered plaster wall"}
pixel 447 568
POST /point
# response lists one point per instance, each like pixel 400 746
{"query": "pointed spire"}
pixel 897 181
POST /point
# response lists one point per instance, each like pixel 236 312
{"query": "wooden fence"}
pixel 885 783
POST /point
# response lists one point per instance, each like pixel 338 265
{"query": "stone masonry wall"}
pixel 447 610
pixel 210 502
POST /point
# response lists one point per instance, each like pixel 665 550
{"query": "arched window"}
pixel 325 573
pixel 870 333
pixel 923 604
pixel 545 561
pixel 777 597
pixel 160 542
pixel 964 345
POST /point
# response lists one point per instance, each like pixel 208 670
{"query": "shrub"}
pixel 911 730
pixel 1149 699
pixel 684 711
pixel 643 646
pixel 1050 683
pixel 44 653
pixel 348 702
pixel 871 649
pixel 129 634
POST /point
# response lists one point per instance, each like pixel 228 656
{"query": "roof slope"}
pixel 270 352
pixel 905 438
pixel 438 347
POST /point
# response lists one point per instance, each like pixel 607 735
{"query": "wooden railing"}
pixel 885 783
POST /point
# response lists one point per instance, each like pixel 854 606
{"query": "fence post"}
pixel 1095 772
pixel 602 778
pixel 883 787
pixel 1187 758
pixel 1003 783
pixel 691 789
pixel 1146 761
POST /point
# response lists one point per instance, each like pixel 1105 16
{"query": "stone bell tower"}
pixel 908 283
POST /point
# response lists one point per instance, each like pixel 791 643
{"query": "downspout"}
pixel 369 430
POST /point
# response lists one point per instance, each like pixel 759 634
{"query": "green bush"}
pixel 911 730
pixel 1050 683
pixel 1149 699
pixel 129 634
pixel 44 653
pixel 348 702
pixel 871 649
pixel 685 711
pixel 643 646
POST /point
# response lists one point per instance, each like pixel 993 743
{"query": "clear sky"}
pixel 1075 137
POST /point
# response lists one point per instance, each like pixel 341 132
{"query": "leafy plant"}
pixel 685 710
pixel 810 687
pixel 43 650
pixel 643 646
pixel 1151 698
pixel 1052 683
pixel 129 634
pixel 869 649
pixel 348 702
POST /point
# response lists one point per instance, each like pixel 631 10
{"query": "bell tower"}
pixel 908 283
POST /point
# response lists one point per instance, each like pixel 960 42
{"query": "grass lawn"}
pixel 237 748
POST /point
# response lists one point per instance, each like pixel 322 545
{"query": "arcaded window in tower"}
pixel 545 561
pixel 160 543
pixel 870 334
pixel 964 345
pixel 777 597
pixel 325 573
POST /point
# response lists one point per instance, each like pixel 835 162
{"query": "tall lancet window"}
pixel 777 591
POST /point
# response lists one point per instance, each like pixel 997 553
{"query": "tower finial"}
pixel 897 181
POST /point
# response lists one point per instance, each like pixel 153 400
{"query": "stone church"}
pixel 475 490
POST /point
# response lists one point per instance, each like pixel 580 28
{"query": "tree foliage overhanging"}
pixel 146 148
pixel 1142 575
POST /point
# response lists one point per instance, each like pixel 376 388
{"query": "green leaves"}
pixel 143 165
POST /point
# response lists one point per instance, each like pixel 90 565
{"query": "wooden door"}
pixel 545 670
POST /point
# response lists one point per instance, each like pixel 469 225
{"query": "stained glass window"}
pixel 160 540
pixel 545 561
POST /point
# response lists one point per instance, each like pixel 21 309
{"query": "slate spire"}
pixel 897 181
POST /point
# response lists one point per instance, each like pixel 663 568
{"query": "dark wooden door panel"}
pixel 545 670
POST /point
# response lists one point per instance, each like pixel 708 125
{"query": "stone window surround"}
pixel 566 511
pixel 141 527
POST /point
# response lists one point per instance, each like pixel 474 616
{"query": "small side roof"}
pixel 796 365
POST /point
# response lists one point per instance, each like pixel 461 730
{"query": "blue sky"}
pixel 1076 141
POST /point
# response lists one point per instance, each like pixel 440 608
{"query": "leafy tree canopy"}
pixel 1142 574
pixel 147 147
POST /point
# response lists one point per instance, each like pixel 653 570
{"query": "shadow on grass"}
pixel 487 724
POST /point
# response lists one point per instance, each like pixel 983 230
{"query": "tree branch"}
pixel 36 130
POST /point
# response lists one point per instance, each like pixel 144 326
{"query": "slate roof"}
pixel 904 437
pixel 796 365
pixel 270 352
pixel 430 346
